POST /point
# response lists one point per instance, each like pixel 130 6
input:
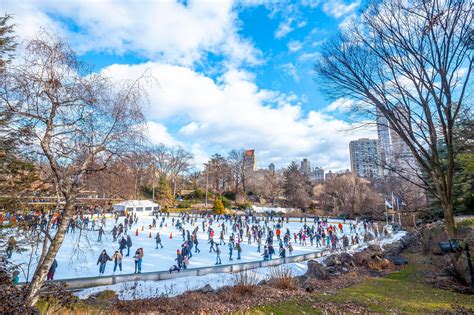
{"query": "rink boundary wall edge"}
pixel 89 282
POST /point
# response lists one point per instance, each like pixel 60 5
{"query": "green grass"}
pixel 401 291
pixel 466 223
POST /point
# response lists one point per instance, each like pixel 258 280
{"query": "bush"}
pixel 245 282
pixel 466 223
pixel 184 204
pixel 229 195
pixel 244 206
pixel 199 194
pixel 226 202
pixel 281 277
pixel 218 207
pixel 106 295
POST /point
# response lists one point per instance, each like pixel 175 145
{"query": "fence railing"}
pixel 88 282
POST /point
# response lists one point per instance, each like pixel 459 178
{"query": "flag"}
pixel 394 200
pixel 387 204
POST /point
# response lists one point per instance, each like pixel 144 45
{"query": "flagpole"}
pixel 399 212
pixel 386 210
pixel 393 209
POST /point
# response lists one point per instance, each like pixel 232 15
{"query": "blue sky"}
pixel 229 74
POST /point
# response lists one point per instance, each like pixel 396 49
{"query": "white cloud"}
pixel 294 45
pixel 341 105
pixel 284 28
pixel 232 112
pixel 167 31
pixel 337 8
pixel 291 71
pixel 158 133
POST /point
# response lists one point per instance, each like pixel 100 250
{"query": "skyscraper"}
pixel 250 161
pixel 395 154
pixel 305 167
pixel 366 158
pixel 383 132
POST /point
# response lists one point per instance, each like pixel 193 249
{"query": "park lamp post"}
pixel 207 180
pixel 454 246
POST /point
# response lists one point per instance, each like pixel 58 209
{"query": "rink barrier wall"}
pixel 88 282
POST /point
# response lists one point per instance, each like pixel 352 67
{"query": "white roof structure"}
pixel 137 206
pixel 269 209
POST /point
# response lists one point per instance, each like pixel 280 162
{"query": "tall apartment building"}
pixel 318 174
pixel 305 167
pixel 366 158
pixel 383 133
pixel 395 154
pixel 250 161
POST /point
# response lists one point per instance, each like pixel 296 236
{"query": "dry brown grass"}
pixel 281 277
pixel 245 282
pixel 382 264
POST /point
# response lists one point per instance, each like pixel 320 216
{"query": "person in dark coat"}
pixel 101 232
pixel 129 244
pixel 52 270
pixel 179 259
pixel 102 261
pixel 282 252
pixel 158 240
pixel 122 244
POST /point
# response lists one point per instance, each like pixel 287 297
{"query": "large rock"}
pixel 393 249
pixel 374 249
pixel 346 260
pixel 397 260
pixel 207 289
pixel 411 242
pixel 332 260
pixel 316 270
pixel 362 258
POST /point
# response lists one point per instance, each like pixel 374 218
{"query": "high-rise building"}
pixel 395 153
pixel 305 167
pixel 318 174
pixel 250 161
pixel 271 167
pixel 383 132
pixel 366 158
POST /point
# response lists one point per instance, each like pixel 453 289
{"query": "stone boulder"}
pixel 316 270
pixel 397 260
pixel 332 260
pixel 207 289
pixel 393 249
pixel 346 260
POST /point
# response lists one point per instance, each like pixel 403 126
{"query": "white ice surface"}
pixel 79 252
pixel 174 287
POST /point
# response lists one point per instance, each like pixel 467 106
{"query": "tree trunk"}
pixel 34 288
pixel 449 222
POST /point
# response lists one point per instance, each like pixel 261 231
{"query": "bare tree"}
pixel 410 63
pixel 79 121
pixel 296 186
pixel 171 162
pixel 236 167
pixel 218 172
pixel 349 194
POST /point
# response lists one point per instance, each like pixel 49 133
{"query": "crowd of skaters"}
pixel 270 234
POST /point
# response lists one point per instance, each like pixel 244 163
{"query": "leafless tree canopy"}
pixel 77 123
pixel 409 62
